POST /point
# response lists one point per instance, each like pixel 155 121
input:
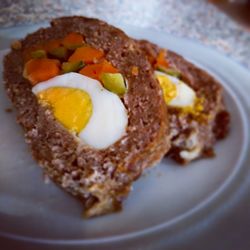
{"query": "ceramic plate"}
pixel 169 206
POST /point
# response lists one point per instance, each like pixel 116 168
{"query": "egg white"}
pixel 109 119
pixel 185 95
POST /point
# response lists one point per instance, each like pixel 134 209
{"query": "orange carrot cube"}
pixel 72 40
pixel 86 54
pixel 95 70
pixel 161 60
pixel 38 70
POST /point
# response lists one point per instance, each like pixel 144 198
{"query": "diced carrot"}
pixel 161 60
pixel 86 54
pixel 95 70
pixel 72 40
pixel 38 70
pixel 92 71
pixel 108 67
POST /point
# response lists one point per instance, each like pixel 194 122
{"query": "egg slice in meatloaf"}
pixel 197 114
pixel 92 111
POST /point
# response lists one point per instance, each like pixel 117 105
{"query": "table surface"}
pixel 193 19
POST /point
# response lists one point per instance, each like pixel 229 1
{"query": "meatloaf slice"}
pixel 191 136
pixel 101 179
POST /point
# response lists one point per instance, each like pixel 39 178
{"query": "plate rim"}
pixel 240 106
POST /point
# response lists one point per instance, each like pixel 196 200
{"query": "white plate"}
pixel 169 200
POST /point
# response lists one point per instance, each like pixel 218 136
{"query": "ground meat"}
pixel 101 179
pixel 207 131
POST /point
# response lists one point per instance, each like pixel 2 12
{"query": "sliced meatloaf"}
pixel 101 179
pixel 192 136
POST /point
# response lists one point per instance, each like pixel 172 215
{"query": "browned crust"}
pixel 207 88
pixel 100 178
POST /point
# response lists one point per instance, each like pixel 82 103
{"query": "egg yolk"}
pixel 71 107
pixel 169 89
pixel 196 109
pixel 170 92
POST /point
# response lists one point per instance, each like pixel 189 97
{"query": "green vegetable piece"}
pixel 75 46
pixel 170 71
pixel 72 66
pixel 40 53
pixel 114 82
pixel 59 52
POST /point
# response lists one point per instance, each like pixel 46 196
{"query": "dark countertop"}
pixel 193 19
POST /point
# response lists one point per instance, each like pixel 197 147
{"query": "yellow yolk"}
pixel 196 109
pixel 169 89
pixel 171 92
pixel 72 107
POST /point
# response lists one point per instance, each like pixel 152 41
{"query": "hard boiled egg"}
pixel 176 92
pixel 83 106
